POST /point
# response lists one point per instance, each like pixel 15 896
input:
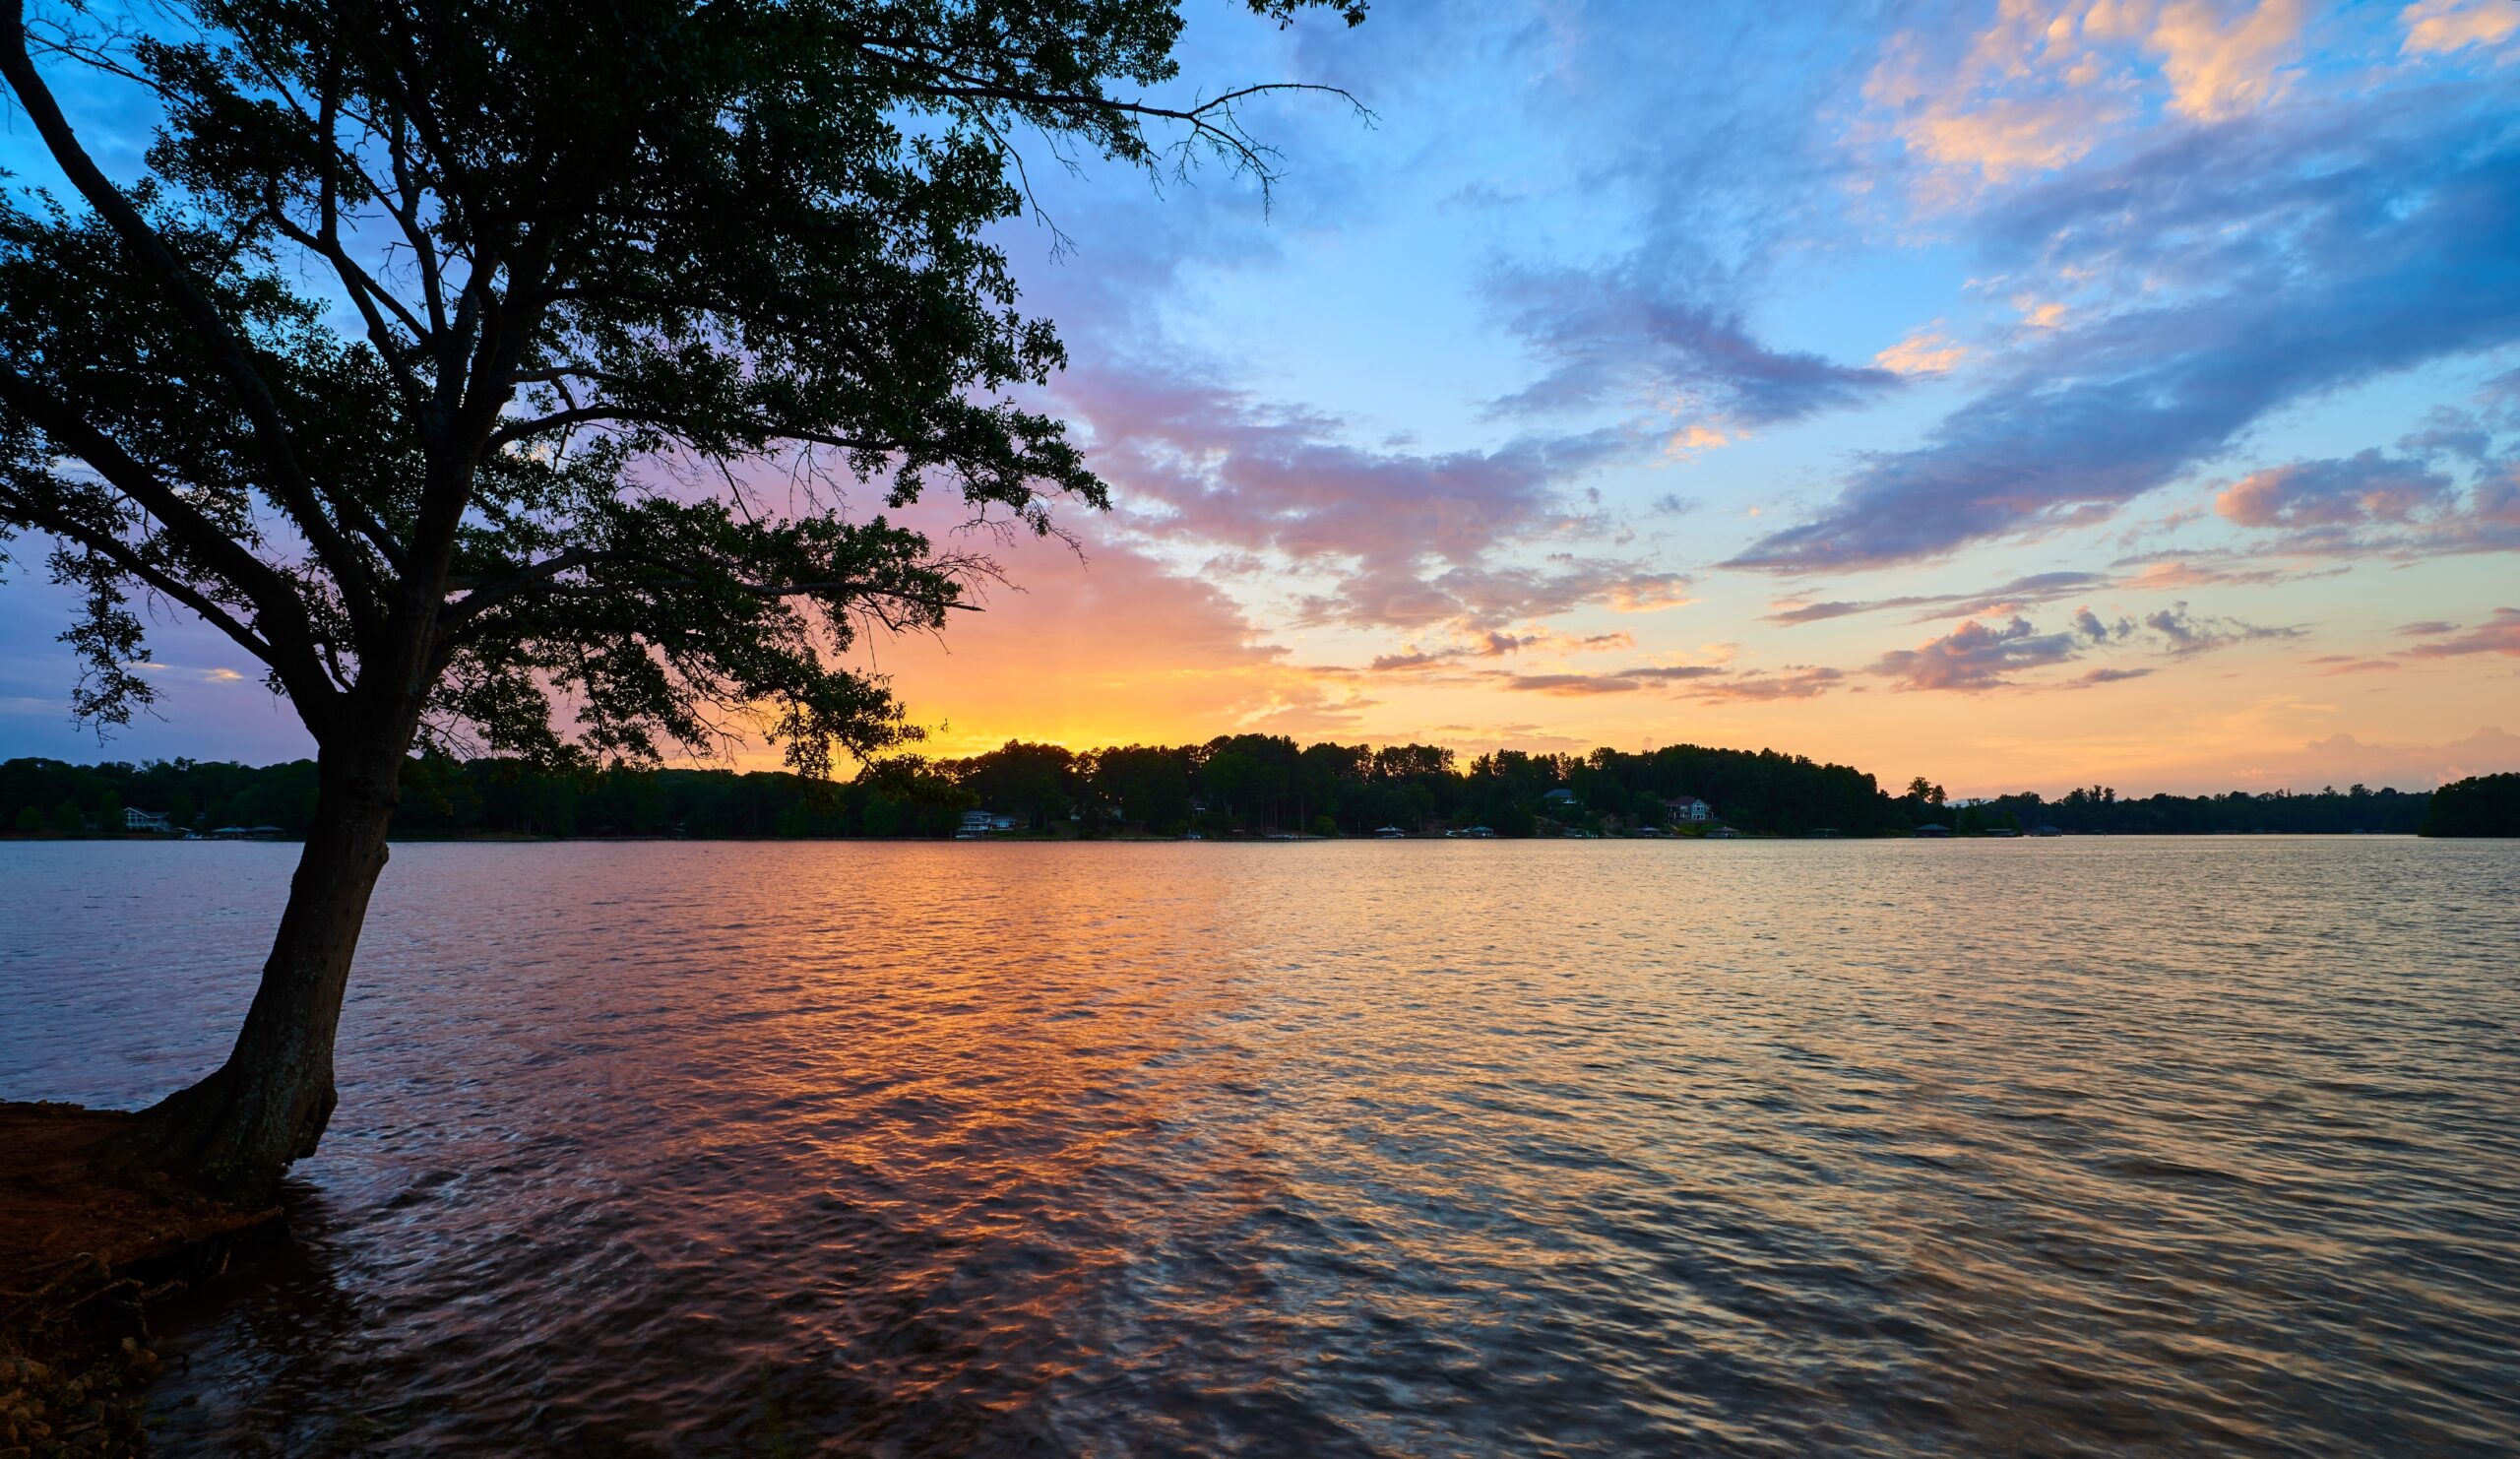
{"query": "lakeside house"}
pixel 2045 831
pixel 136 819
pixel 1560 798
pixel 245 833
pixel 1687 810
pixel 1930 831
pixel 1390 833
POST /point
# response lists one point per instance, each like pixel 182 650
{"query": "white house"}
pixel 136 819
pixel 1687 809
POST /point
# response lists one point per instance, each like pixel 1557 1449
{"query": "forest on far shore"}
pixel 1233 784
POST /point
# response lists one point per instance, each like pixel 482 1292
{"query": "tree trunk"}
pixel 234 1132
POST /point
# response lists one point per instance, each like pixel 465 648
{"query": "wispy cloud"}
pixel 1621 681
pixel 1794 681
pixel 1406 539
pixel 2186 633
pixel 2250 278
pixel 2365 487
pixel 2094 677
pixel 2441 26
pixel 2499 634
pixel 1635 336
pixel 2372 505
pixel 2023 591
pixel 2176 631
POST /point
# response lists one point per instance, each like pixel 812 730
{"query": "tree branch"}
pixel 510 434
pixel 489 594
pixel 128 558
pixel 277 610
pixel 953 85
pixel 537 580
pixel 225 349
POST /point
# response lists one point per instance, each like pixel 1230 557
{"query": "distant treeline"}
pixel 1247 783
pixel 2480 805
pixel 2100 810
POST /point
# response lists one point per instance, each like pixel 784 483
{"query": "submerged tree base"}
pixel 88 1237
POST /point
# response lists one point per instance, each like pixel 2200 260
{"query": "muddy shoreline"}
pixel 89 1242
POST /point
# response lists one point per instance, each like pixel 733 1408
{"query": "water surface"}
pixel 2124 1146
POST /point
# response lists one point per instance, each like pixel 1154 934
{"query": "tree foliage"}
pixel 625 306
pixel 2479 805
pixel 1233 784
pixel 1169 788
pixel 2100 810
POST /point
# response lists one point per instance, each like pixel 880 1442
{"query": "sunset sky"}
pixel 2022 396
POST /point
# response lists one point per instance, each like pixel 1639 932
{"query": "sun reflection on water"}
pixel 2162 1147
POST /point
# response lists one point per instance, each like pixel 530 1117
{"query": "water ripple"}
pixel 2127 1145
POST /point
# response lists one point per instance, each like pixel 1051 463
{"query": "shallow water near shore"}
pixel 2128 1146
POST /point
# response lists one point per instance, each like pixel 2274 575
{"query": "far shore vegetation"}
pixel 1247 785
pixel 2479 805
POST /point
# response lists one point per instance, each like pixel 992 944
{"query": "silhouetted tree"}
pixel 571 238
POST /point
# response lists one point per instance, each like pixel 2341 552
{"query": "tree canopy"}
pixel 583 265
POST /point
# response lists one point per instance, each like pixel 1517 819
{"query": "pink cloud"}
pixel 2499 634
pixel 1794 681
pixel 1975 657
pixel 2366 487
pixel 2344 759
pixel 1409 539
pixel 2439 26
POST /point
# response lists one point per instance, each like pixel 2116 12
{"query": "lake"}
pixel 2092 1145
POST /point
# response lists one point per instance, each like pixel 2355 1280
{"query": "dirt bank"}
pixel 86 1244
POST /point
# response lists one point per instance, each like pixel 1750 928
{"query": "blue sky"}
pixel 2019 395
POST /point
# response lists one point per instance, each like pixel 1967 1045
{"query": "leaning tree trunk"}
pixel 236 1131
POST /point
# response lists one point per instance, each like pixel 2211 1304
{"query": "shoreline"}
pixel 85 1245
pixel 1262 838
